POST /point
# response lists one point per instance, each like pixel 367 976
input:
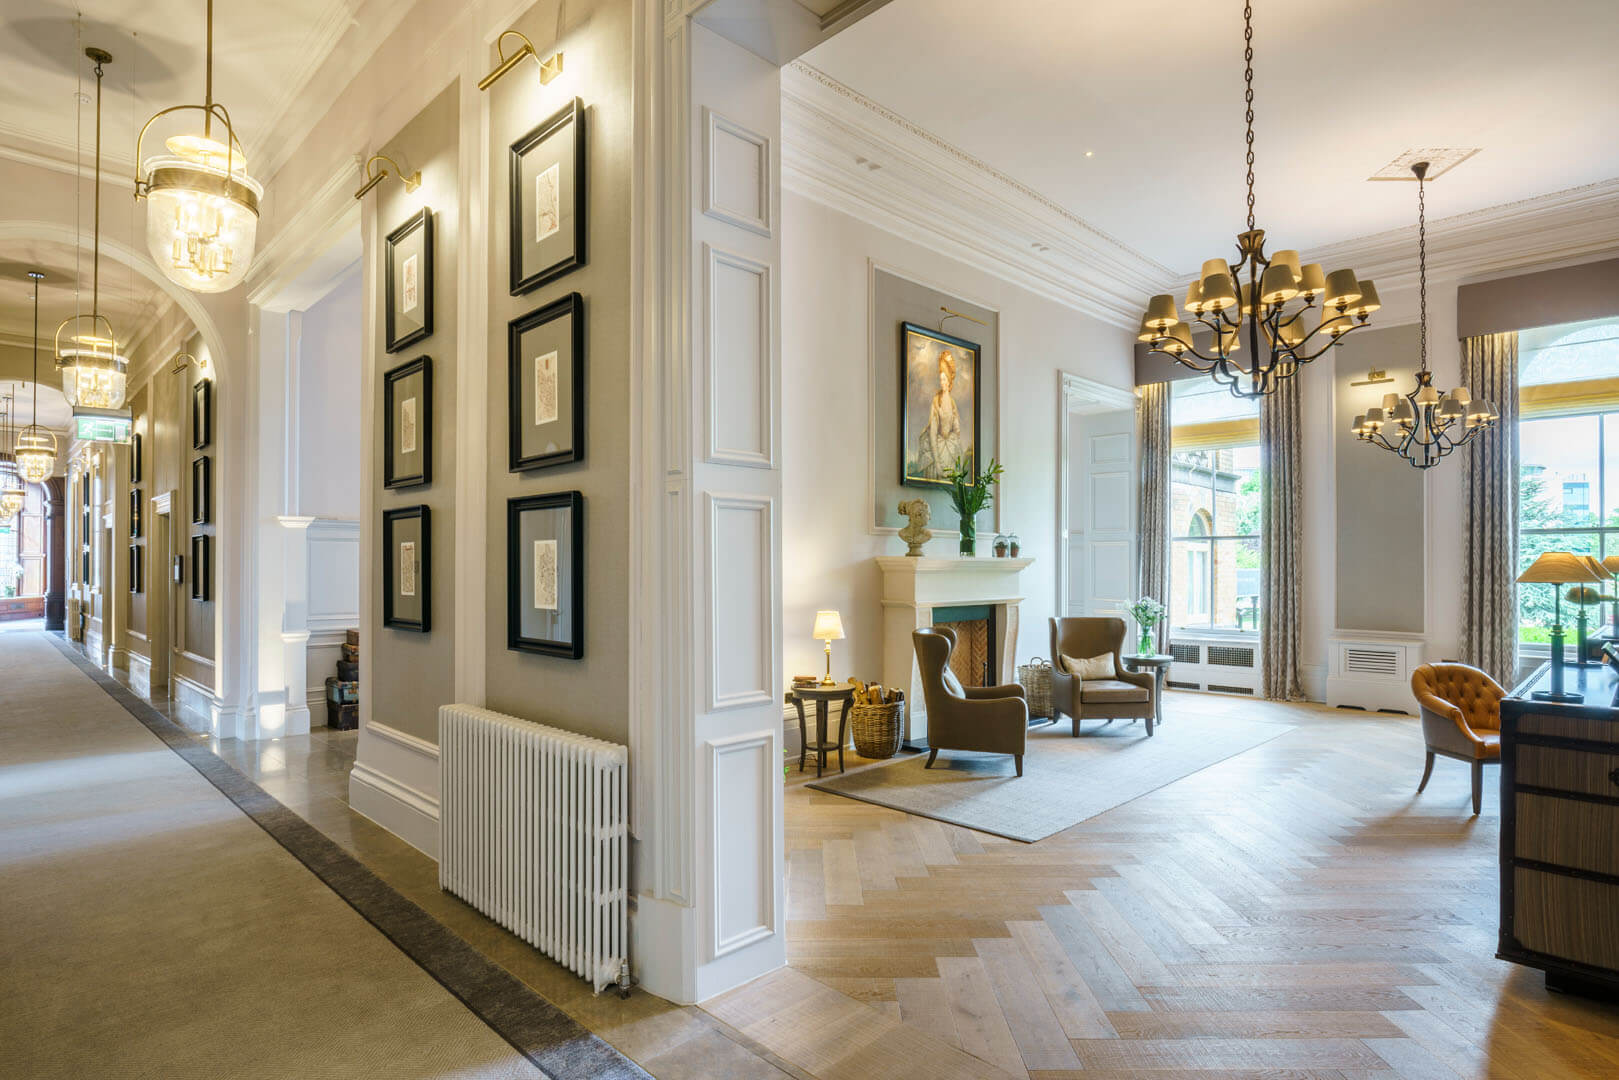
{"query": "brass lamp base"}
pixel 827 679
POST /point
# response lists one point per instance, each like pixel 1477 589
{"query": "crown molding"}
pixel 856 156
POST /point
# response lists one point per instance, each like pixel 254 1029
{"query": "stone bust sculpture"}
pixel 917 532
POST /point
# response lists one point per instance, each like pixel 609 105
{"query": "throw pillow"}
pixel 1094 667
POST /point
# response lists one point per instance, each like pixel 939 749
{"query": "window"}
pixel 1214 509
pixel 1568 450
pixel 22 547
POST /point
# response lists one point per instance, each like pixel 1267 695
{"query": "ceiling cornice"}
pixel 853 154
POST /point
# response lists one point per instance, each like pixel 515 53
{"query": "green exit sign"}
pixel 101 427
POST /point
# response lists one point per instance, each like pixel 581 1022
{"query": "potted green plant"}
pixel 970 493
pixel 1147 613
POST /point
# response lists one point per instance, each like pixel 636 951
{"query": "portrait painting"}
pixel 938 405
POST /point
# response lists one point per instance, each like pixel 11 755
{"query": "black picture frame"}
pixel 202 567
pixel 135 522
pixel 202 414
pixel 534 518
pixel 136 585
pixel 533 265
pixel 84 565
pixel 531 445
pixel 202 491
pixel 413 611
pixel 941 342
pixel 413 239
pixel 403 468
pixel 135 458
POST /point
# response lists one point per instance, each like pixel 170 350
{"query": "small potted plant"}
pixel 1000 546
pixel 970 493
pixel 1012 545
pixel 1147 613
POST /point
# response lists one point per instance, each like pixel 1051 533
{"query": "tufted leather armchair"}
pixel 1128 695
pixel 988 719
pixel 1461 718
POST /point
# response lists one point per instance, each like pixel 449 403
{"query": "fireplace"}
pixel 973 660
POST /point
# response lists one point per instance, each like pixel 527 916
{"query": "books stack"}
pixel 343 689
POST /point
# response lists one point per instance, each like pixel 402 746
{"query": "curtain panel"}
pixel 1152 573
pixel 1281 574
pixel 1490 525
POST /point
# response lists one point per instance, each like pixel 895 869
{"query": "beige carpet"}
pixel 149 929
pixel 1065 780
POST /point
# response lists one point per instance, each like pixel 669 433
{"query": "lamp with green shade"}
pixel 1558 568
pixel 1586 596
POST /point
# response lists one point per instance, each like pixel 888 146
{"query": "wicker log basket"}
pixel 1036 679
pixel 877 720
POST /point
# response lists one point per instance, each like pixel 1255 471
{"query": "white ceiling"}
pixel 129 300
pixel 1152 89
pixel 54 411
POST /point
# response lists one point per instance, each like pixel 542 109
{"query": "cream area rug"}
pixel 1065 780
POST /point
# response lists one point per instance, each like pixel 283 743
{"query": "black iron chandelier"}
pixel 1426 425
pixel 1264 305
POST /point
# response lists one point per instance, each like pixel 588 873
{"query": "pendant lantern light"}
pixel 202 208
pixel 93 370
pixel 35 452
pixel 11 486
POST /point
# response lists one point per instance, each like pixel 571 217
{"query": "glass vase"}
pixel 1146 646
pixel 969 538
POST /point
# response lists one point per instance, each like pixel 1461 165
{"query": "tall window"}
pixel 22 547
pixel 1568 453
pixel 1214 509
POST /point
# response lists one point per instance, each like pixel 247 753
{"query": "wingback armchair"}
pixel 1461 718
pixel 1119 695
pixel 987 719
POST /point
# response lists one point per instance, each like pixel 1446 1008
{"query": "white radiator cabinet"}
pixel 1373 671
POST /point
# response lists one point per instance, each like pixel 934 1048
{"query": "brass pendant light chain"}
pixel 1248 98
pixel 37 276
pixel 95 265
pixel 1422 258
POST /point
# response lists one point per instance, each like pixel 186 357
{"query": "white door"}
pixel 1102 501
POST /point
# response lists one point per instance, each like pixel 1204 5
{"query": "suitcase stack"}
pixel 343 689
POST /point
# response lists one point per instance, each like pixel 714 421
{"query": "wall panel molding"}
pixel 736 166
pixel 742 833
pixel 742 591
pixel 738 342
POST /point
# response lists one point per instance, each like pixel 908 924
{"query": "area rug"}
pixel 1065 780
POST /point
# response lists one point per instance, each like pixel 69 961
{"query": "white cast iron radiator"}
pixel 533 832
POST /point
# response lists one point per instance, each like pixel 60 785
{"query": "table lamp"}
pixel 1557 568
pixel 1611 564
pixel 1585 596
pixel 828 628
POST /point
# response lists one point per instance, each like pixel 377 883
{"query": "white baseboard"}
pixel 140 675
pixel 195 702
pixel 395 783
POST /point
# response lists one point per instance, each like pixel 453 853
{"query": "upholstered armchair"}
pixel 1117 694
pixel 1461 718
pixel 987 719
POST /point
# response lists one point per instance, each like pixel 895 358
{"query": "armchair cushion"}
pixel 1461 709
pixel 1112 690
pixel 1092 667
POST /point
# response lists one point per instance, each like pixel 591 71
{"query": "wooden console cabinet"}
pixel 1560 831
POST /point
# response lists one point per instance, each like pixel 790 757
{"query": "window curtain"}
pixel 1152 577
pixel 1281 577
pixel 1490 525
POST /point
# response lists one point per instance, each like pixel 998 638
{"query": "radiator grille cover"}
pixel 1231 656
pixel 1186 654
pixel 1174 684
pixel 1365 660
pixel 1232 689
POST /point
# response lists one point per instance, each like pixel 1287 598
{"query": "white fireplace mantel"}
pixel 914 587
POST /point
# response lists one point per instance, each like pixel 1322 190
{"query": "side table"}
pixel 1157 663
pixel 823 696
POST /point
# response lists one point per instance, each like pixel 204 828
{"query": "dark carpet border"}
pixel 549 1038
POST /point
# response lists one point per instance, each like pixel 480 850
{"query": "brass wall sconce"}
pixel 372 179
pixel 550 68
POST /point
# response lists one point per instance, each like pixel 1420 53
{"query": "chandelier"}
pixel 202 208
pixel 93 370
pixel 35 450
pixel 1265 305
pixel 1424 423
pixel 11 486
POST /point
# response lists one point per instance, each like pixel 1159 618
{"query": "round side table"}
pixel 823 696
pixel 1157 663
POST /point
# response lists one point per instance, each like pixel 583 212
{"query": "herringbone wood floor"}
pixel 1296 911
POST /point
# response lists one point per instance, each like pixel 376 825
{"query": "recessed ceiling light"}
pixel 1440 159
pixel 1090 153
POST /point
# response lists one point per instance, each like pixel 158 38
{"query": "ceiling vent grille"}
pixel 1382 663
pixel 1231 656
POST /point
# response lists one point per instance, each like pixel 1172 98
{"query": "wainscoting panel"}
pixel 737 165
pixel 334 574
pixel 741 387
pixel 742 777
pixel 742 622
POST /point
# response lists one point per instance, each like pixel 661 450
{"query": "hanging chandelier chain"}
pixel 36 275
pixel 1248 98
pixel 95 266
pixel 1422 262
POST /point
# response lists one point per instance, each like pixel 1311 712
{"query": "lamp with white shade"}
pixel 828 628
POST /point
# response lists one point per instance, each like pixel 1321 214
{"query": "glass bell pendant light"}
pixel 11 486
pixel 202 208
pixel 35 452
pixel 93 370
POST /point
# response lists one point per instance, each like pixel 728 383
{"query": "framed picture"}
pixel 135 461
pixel 135 566
pixel 407 569
pixel 202 491
pixel 938 405
pixel 408 297
pixel 134 513
pixel 548 200
pixel 545 574
pixel 202 567
pixel 545 386
pixel 84 565
pixel 202 414
pixel 407 424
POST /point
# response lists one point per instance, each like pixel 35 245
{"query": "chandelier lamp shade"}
pixel 1251 323
pixel 1425 426
pixel 202 207
pixel 94 373
pixel 35 449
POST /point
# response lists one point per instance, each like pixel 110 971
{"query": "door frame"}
pixel 1078 396
pixel 160 595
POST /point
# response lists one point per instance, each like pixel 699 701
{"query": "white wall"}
pixel 329 460
pixel 828 545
